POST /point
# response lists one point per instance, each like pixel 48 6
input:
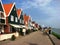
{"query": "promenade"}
pixel 35 38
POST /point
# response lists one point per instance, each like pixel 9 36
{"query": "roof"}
pixel 7 8
pixel 26 18
pixel 19 12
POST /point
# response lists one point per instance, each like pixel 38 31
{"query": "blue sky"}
pixel 44 12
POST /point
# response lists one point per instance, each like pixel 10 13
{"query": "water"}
pixel 56 30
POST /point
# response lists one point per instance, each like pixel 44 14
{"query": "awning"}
pixel 22 26
pixel 17 26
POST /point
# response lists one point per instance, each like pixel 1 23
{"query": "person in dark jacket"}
pixel 49 30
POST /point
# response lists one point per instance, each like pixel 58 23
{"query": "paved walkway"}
pixel 35 38
pixel 55 40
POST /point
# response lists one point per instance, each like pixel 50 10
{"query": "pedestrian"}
pixel 45 30
pixel 49 30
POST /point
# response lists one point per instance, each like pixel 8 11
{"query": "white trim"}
pixel 4 11
pixel 18 26
pixel 14 25
pixel 3 8
pixel 11 9
pixel 22 25
pixel 2 18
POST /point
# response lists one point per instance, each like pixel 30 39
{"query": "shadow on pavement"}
pixel 32 44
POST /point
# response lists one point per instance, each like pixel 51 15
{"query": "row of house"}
pixel 13 19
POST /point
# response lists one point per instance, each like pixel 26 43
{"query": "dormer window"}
pixel 14 9
pixel 16 19
pixel 12 18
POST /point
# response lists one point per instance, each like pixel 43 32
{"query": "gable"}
pixel 26 18
pixel 13 12
pixel 22 16
pixel 1 9
pixel 7 8
pixel 19 13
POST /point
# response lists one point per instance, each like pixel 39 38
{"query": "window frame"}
pixel 16 20
pixel 12 18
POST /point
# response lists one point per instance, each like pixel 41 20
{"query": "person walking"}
pixel 49 30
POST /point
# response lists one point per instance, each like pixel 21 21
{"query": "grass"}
pixel 56 35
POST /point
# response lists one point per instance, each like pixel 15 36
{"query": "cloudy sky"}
pixel 44 12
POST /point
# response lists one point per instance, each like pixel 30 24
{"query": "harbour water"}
pixel 56 30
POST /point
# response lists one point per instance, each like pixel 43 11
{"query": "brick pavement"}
pixel 35 38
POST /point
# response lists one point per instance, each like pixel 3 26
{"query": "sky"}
pixel 44 12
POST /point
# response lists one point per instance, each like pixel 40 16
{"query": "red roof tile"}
pixel 7 8
pixel 18 12
pixel 26 19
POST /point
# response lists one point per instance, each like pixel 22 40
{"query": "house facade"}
pixel 8 18
pixel 11 19
pixel 20 20
pixel 36 26
pixel 2 19
pixel 27 21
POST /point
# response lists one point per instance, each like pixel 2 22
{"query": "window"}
pixel 23 22
pixel 20 20
pixel 14 9
pixel 16 19
pixel 12 18
pixel 1 15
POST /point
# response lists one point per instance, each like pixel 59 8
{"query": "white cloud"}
pixel 42 2
pixel 35 3
pixel 44 5
pixel 51 11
